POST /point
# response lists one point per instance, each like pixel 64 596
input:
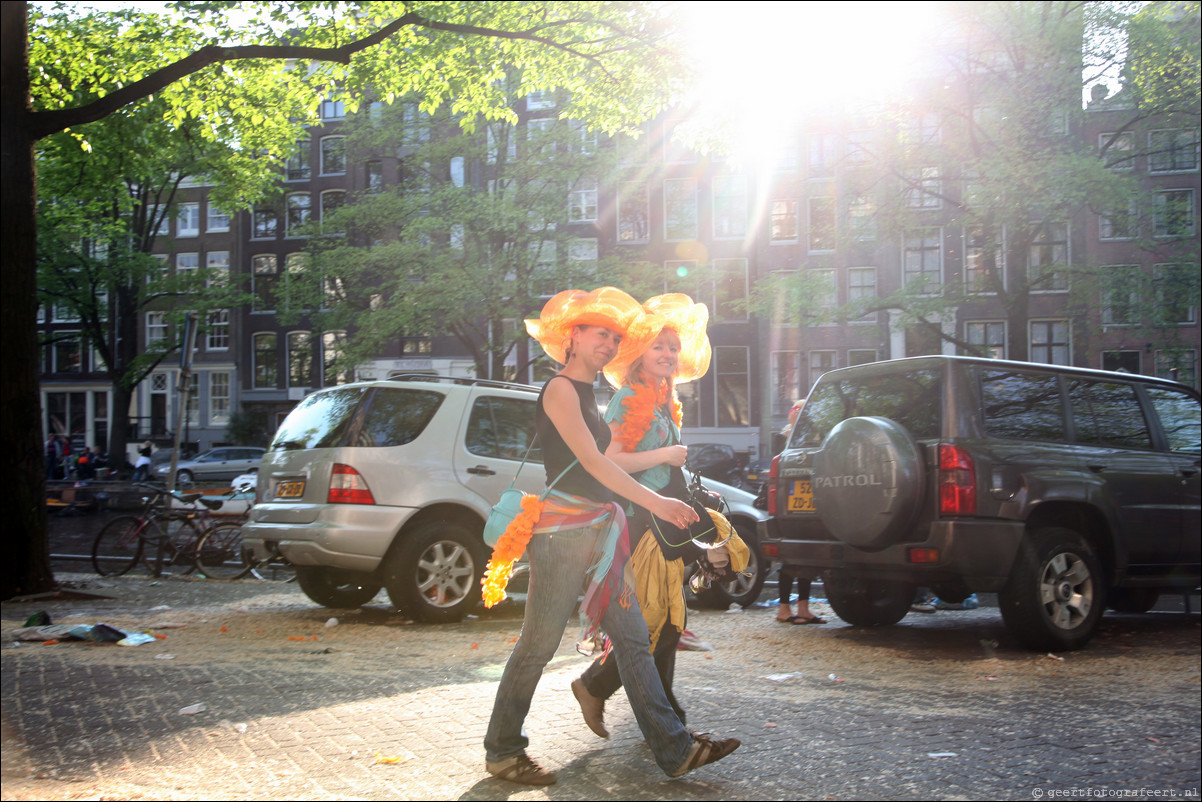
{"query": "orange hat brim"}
pixel 605 306
pixel 675 311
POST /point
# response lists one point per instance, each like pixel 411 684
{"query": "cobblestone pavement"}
pixel 942 706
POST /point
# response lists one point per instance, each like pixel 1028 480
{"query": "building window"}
pixel 217 264
pixel 820 362
pixel 861 356
pixel 730 289
pixel 299 206
pixel 156 327
pixel 331 201
pixel 187 220
pixel 264 282
pixel 1119 224
pixel 332 109
pixel 1120 294
pixel 333 155
pixel 821 225
pixel 186 264
pixel 218 221
pixel 300 359
pixel 219 398
pixel 634 150
pixel 1173 151
pixel 1047 257
pixel 264 223
pixel 583 253
pixel 298 166
pixel 1176 294
pixel 784 221
pixel 988 337
pixel 924 189
pixel 984 262
pixel 923 256
pixel 1050 343
pixel 921 128
pixel 264 368
pixel 218 337
pixel 1118 156
pixel 582 201
pixel 824 155
pixel 676 152
pixel 160 222
pixel 634 214
pixel 731 366
pixel 786 380
pixel 859 148
pixel 729 206
pixel 861 291
pixel 457 170
pixel 192 408
pixel 68 353
pixel 375 176
pixel 680 209
pixel 861 219
pixel 540 140
pixel 1124 361
pixel 332 348
pixel 1178 365
pixel 1174 214
pixel 540 99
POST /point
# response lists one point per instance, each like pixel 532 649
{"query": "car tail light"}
pixel 773 472
pixel 957 481
pixel 347 486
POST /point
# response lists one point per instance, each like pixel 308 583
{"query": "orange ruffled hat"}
pixel 675 311
pixel 604 306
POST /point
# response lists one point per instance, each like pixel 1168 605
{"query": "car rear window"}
pixel 395 416
pixel 319 421
pixel 912 398
pixel 1018 405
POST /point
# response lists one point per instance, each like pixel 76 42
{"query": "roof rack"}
pixel 461 380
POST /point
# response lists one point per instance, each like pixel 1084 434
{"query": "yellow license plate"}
pixel 802 497
pixel 290 489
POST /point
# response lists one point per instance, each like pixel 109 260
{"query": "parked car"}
pixel 387 485
pixel 218 463
pixel 719 462
pixel 1063 490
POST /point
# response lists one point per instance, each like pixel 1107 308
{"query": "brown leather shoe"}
pixel 521 769
pixel 705 751
pixel 591 707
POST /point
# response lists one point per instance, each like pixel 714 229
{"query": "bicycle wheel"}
pixel 117 546
pixel 219 552
pixel 170 543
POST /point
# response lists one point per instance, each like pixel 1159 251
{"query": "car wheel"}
pixel 1054 597
pixel 1132 600
pixel 742 590
pixel 433 574
pixel 865 602
pixel 185 477
pixel 334 587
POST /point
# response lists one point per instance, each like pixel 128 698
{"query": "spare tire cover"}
pixel 868 480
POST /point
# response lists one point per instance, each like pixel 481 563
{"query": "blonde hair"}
pixel 636 375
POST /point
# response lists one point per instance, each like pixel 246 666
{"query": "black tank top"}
pixel 557 455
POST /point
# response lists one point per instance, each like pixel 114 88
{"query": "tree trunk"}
pixel 27 548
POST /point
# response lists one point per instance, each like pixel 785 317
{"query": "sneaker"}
pixel 521 769
pixel 922 607
pixel 591 707
pixel 705 751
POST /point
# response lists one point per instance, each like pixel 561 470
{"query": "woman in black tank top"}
pixel 574 535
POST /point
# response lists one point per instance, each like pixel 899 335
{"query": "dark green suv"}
pixel 1063 490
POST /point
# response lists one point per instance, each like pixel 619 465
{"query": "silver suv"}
pixel 388 483
pixel 1063 490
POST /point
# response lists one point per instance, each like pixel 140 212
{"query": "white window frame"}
pixel 729 206
pixel 187 220
pixel 681 191
pixel 633 193
pixel 729 267
pixel 1063 284
pixel 218 261
pixel 186 262
pixel 330 145
pixel 1158 151
pixel 811 242
pixel 722 380
pixel 997 350
pixel 785 368
pixel 859 290
pixel 909 275
pixel 582 201
pixel 218 336
pixel 1067 345
pixel 156 327
pixel 217 221
pixel 256 362
pixel 1158 272
pixel 1160 199
pixel 973 275
pixel 1123 145
pixel 220 398
pixel 297 217
pixel 783 209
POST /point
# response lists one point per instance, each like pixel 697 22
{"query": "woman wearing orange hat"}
pixel 578 534
pixel 645 417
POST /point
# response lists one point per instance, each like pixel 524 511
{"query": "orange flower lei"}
pixel 509 549
pixel 640 408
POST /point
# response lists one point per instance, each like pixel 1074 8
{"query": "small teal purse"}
pixel 510 503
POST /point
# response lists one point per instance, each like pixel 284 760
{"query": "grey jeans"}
pixel 558 562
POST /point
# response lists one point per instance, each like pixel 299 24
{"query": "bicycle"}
pixel 176 537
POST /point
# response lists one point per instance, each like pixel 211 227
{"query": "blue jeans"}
pixel 557 565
